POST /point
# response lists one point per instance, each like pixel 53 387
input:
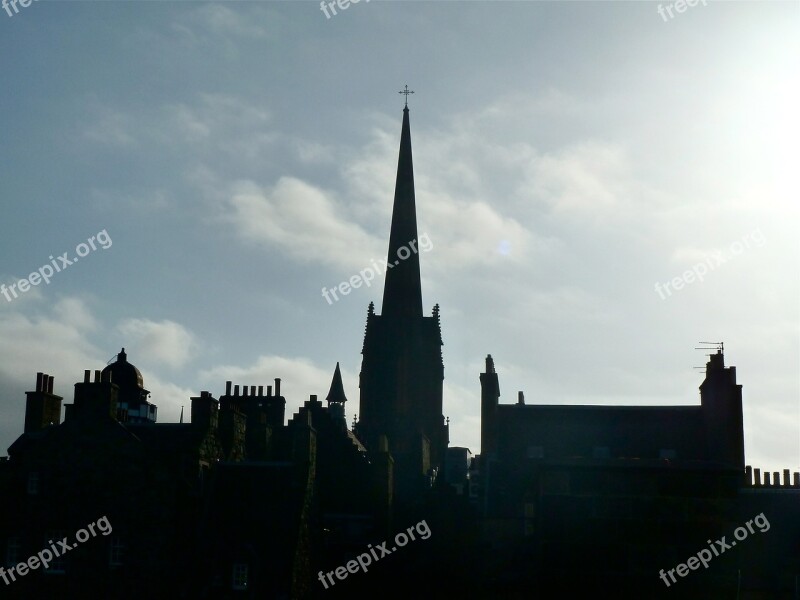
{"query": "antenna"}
pixel 718 346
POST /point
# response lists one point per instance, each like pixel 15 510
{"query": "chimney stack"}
pixel 42 407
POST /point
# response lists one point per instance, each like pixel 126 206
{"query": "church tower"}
pixel 402 369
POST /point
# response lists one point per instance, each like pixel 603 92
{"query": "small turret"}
pixel 336 398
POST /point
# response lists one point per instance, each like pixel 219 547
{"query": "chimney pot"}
pixel 87 376
pixel 261 390
pixel 39 378
pixel 50 384
pixel 236 390
pixel 228 388
pixel 278 386
pixel 269 391
pixel 97 376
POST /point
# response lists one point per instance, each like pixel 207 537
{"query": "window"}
pixel 116 552
pixel 59 563
pixel 530 516
pixel 33 483
pixel 240 576
pixel 13 548
pixel 535 452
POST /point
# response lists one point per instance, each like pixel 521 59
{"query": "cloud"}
pixel 221 20
pixel 301 221
pixel 53 341
pixel 169 398
pixel 111 127
pixel 592 178
pixel 164 342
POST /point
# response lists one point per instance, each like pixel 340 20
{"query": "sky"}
pixel 603 187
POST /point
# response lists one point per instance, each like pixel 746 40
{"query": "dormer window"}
pixel 13 554
pixel 240 575
pixel 535 451
pixel 33 483
pixel 116 552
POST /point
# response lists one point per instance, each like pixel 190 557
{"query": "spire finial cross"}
pixel 406 92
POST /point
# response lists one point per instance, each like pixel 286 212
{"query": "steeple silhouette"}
pixel 336 397
pixel 402 292
pixel 336 393
pixel 402 370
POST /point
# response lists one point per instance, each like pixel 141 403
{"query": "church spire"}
pixel 336 398
pixel 402 292
pixel 336 393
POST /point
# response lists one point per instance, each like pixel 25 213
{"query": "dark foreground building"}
pixel 563 501
pixel 581 498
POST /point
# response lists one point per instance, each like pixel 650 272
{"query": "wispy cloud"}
pixel 164 342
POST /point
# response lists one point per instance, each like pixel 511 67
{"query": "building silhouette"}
pixel 596 501
pixel 619 493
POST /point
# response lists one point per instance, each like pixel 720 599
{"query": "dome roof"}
pixel 123 373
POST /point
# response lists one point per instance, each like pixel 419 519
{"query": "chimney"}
pixel 97 398
pixel 278 386
pixel 205 412
pixel 42 407
pixel 721 401
pixel 490 398
pixel 520 398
